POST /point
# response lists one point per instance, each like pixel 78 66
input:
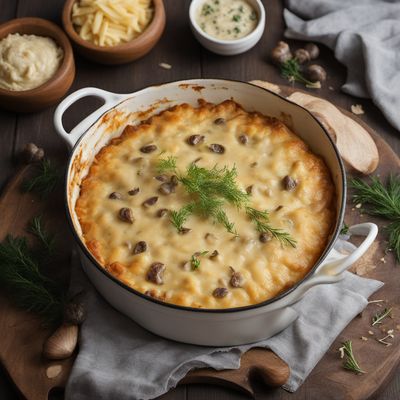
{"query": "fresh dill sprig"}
pixel 21 277
pixel 383 201
pixel 195 260
pixel 380 316
pixel 166 165
pixel 211 189
pixel 345 229
pixel 44 181
pixel 261 221
pixel 290 70
pixel 47 240
pixel 350 363
pixel 178 218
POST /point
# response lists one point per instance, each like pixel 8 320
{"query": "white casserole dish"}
pixel 232 326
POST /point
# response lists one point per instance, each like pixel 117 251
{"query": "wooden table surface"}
pixel 189 60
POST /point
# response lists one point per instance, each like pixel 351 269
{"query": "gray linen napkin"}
pixel 120 360
pixel 365 37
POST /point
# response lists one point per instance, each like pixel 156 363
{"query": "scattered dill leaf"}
pixel 44 181
pixel 178 218
pixel 350 363
pixel 166 164
pixel 261 221
pixel 383 201
pixel 223 219
pixel 345 229
pixel 22 279
pixel 195 260
pixel 380 316
pixel 47 240
pixel 290 70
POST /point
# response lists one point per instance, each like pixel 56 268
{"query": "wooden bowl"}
pixel 122 53
pixel 51 91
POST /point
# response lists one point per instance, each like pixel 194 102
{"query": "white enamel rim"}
pixel 229 47
pixel 330 267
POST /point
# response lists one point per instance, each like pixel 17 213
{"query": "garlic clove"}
pixel 62 343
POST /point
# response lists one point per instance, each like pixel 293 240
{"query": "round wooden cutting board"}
pixel 22 336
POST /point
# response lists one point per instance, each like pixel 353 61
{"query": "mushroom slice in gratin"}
pixel 207 207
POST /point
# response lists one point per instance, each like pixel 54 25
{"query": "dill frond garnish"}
pixel 195 260
pixel 44 181
pixel 350 363
pixel 210 189
pixel 380 316
pixel 178 218
pixel 383 201
pixel 47 240
pixel 21 276
pixel 261 221
pixel 166 164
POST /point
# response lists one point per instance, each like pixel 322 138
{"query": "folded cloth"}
pixel 365 36
pixel 118 359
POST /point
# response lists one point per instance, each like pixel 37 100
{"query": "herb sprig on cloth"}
pixel 22 277
pixel 210 189
pixel 383 201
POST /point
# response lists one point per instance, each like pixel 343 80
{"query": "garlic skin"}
pixel 62 343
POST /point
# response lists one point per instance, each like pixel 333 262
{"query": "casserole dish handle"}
pixel 332 269
pixel 109 98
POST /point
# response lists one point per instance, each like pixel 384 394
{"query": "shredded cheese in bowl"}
pixel 111 22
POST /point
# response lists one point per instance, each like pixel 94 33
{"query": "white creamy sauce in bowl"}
pixel 28 61
pixel 226 19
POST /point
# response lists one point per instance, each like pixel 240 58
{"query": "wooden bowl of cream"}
pixel 122 52
pixel 50 78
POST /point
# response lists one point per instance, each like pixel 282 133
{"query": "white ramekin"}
pixel 228 47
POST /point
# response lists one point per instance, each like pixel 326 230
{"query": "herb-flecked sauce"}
pixel 226 19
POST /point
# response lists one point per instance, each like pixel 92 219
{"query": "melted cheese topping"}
pixel 271 153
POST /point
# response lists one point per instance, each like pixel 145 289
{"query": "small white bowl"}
pixel 228 47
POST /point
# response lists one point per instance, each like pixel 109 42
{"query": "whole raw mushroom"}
pixel 313 50
pixel 316 73
pixel 281 53
pixel 302 56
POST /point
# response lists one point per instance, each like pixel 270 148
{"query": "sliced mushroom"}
pixel 115 196
pixel 194 140
pixel 214 254
pixel 217 148
pixel 184 231
pixel 237 279
pixel 219 121
pixel 162 212
pixel 264 237
pixel 220 292
pixel 155 273
pixel 166 188
pixel 150 201
pixel 249 189
pixel 149 148
pixel 134 191
pixel 289 183
pixel 162 178
pixel 140 247
pixel 126 214
pixel 244 139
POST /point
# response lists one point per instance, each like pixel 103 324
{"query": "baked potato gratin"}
pixel 207 207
